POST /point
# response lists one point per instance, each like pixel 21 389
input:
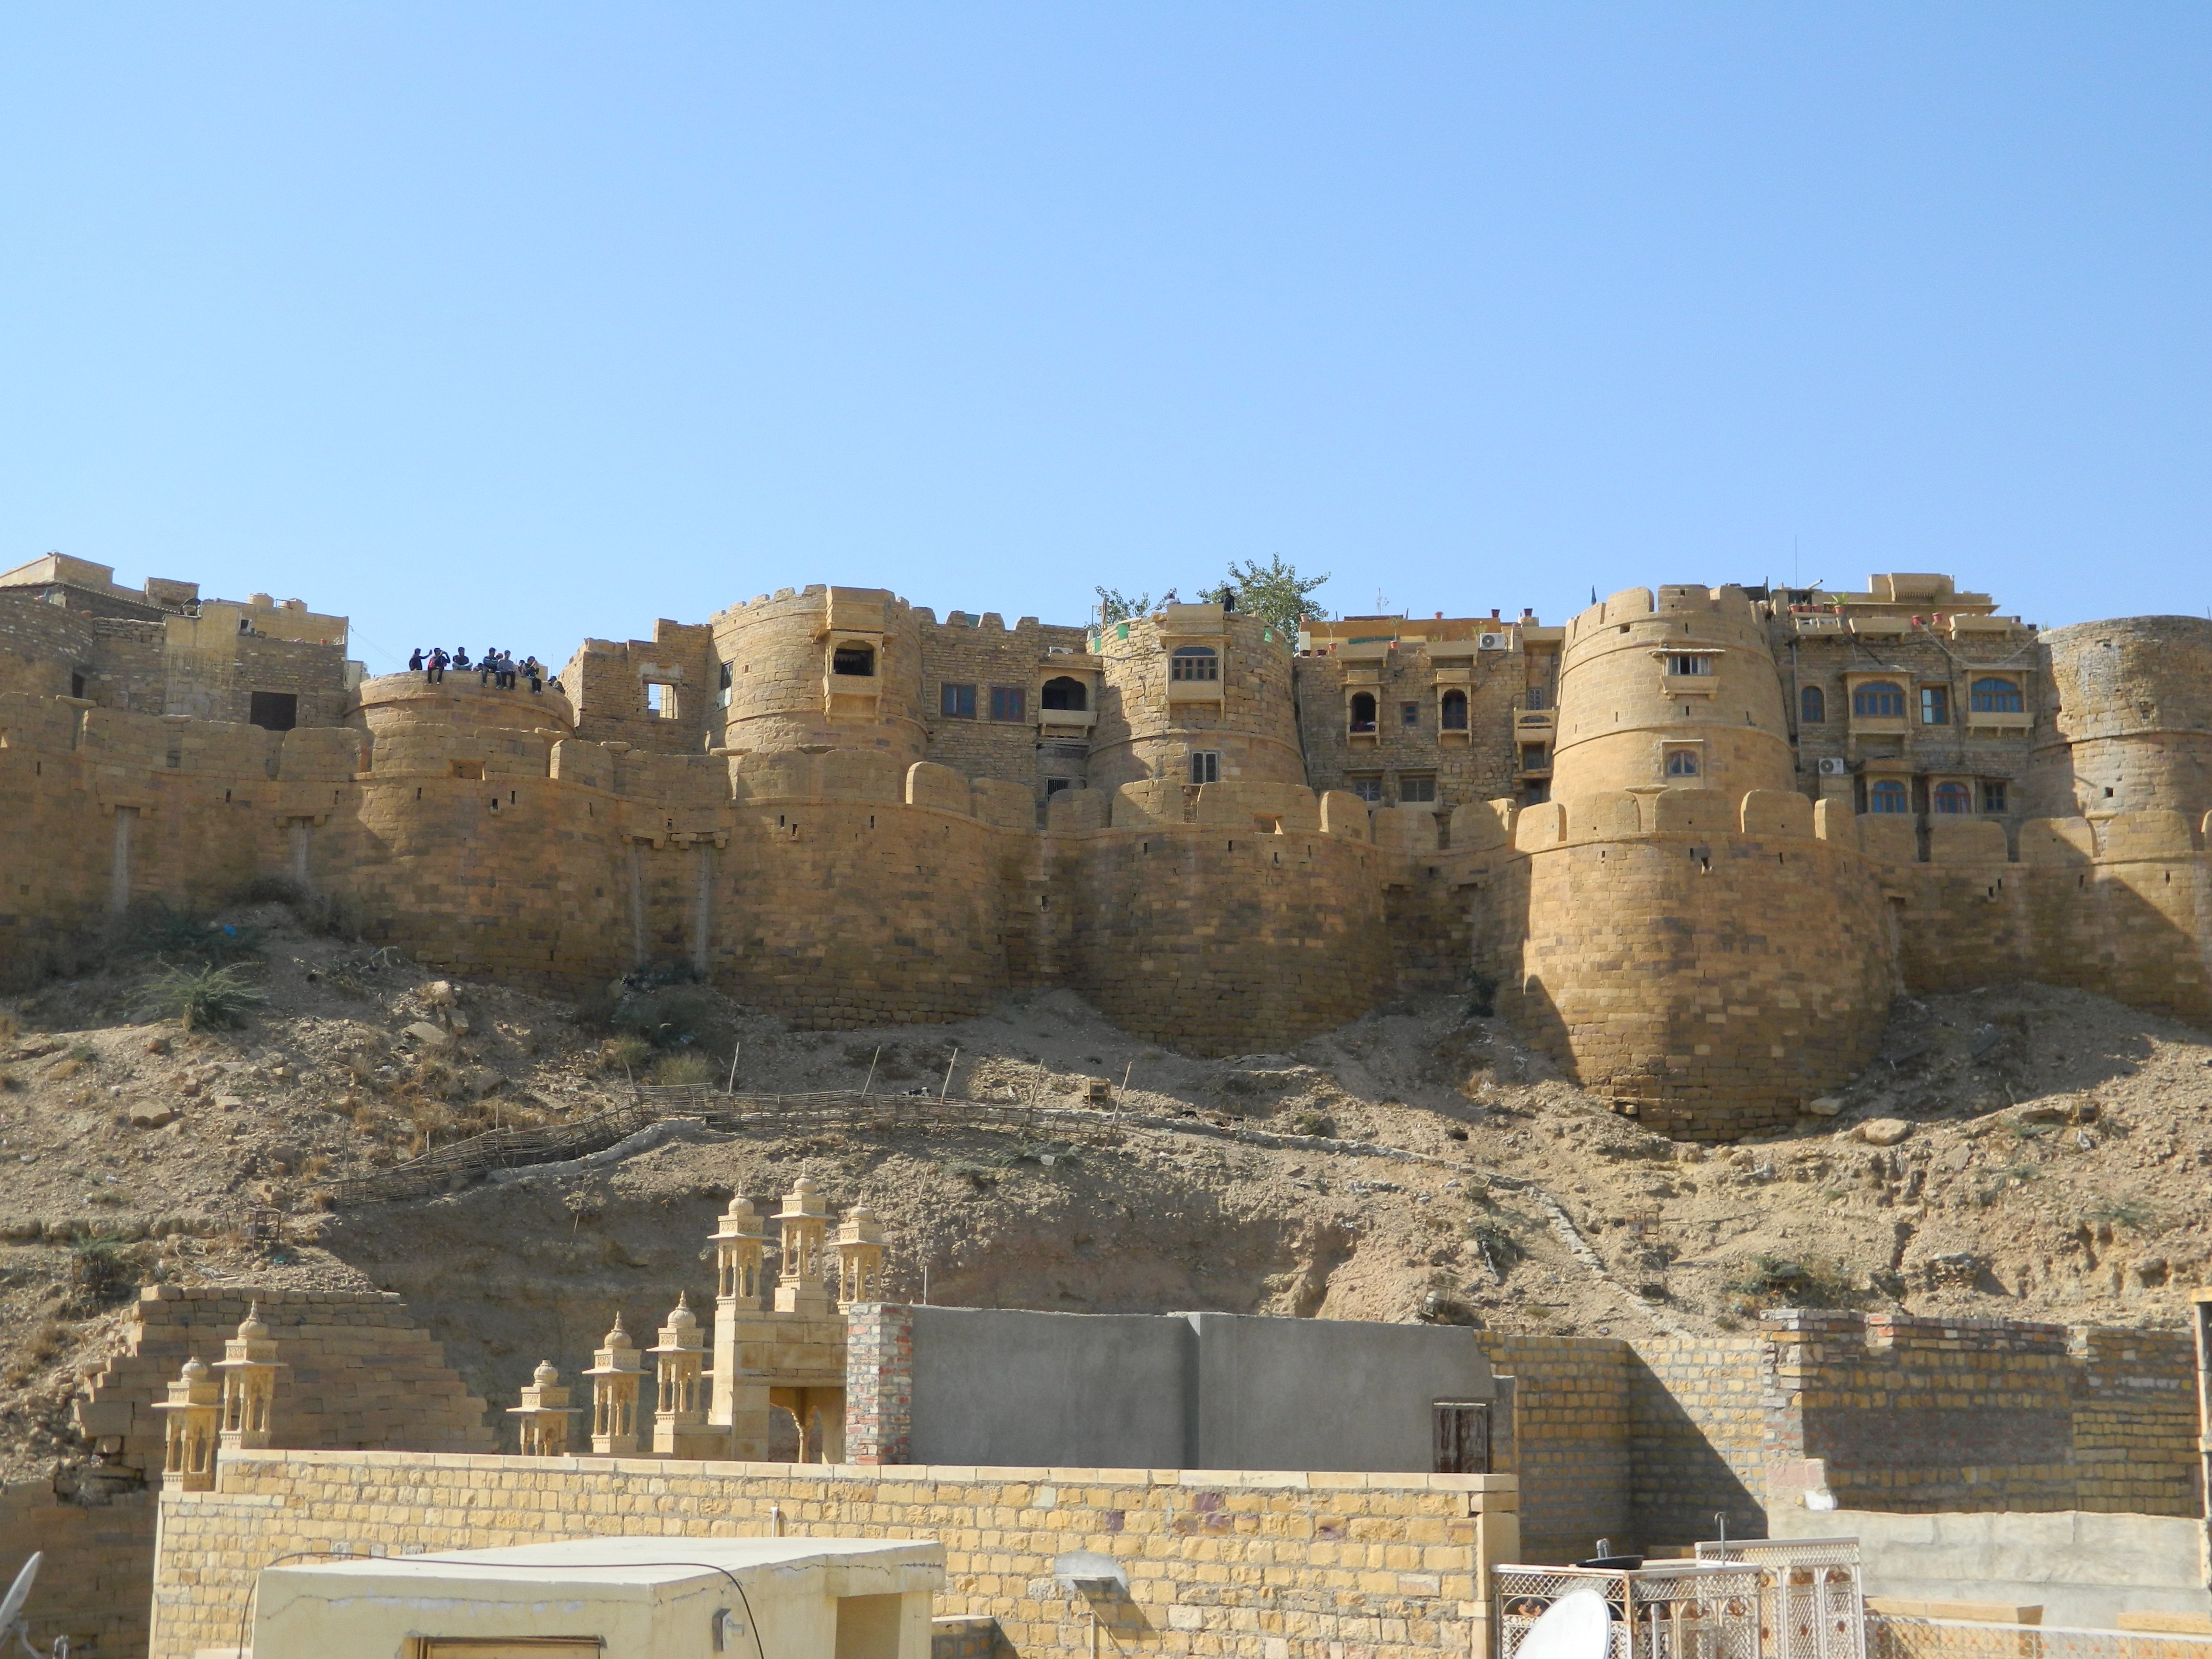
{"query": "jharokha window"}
pixel 1888 796
pixel 1879 699
pixel 1452 717
pixel 1362 712
pixel 1194 662
pixel 853 660
pixel 1952 797
pixel 1994 697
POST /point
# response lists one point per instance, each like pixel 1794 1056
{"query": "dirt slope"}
pixel 2052 1166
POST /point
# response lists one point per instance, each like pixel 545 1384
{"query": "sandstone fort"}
pixel 1694 841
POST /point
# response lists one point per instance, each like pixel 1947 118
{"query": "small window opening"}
pixel 1682 763
pixel 1416 791
pixel 1451 715
pixel 1206 766
pixel 1368 789
pixel 1409 713
pixel 1953 798
pixel 956 702
pixel 466 769
pixel 1194 662
pixel 1363 711
pixel 1889 796
pixel 660 700
pixel 1008 702
pixel 1812 706
pixel 77 685
pixel 1935 705
pixel 1693 665
pixel 1993 796
pixel 858 659
pixel 1066 692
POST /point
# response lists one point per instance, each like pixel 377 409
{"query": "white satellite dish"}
pixel 1578 1626
pixel 18 1592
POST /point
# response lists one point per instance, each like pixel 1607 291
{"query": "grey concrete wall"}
pixel 2082 1569
pixel 1327 1394
pixel 1045 1389
pixel 1212 1391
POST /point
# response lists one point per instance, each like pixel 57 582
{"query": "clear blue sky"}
pixel 519 323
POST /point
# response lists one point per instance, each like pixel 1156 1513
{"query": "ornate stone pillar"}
pixel 189 1416
pixel 544 1414
pixel 248 1368
pixel 616 1369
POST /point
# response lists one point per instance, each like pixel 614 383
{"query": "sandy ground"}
pixel 2051 1165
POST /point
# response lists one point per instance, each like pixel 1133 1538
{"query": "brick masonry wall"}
pixel 1220 1566
pixel 1922 1414
pixel 878 1382
pixel 1698 1413
pixel 1572 1437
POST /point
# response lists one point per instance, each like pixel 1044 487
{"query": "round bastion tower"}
pixel 1194 695
pixel 2131 730
pixel 822 668
pixel 1696 948
pixel 1681 694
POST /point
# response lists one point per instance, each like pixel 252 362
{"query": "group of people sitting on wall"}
pixel 495 667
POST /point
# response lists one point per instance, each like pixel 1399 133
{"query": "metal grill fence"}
pixel 1812 1602
pixel 1675 1610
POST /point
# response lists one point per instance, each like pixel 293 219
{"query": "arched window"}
pixel 1996 697
pixel 1952 798
pixel 1812 706
pixel 1879 699
pixel 1363 711
pixel 853 660
pixel 1888 796
pixel 1193 662
pixel 1681 762
pixel 1452 716
pixel 1067 692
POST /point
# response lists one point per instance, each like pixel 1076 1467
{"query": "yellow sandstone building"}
pixel 1693 841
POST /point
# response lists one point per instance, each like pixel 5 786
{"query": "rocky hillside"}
pixel 2022 1153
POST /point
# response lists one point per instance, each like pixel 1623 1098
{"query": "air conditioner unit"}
pixel 1831 769
pixel 1490 641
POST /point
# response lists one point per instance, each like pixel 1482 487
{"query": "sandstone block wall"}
pixel 1219 1565
pixel 358 1373
pixel 1713 980
pixel 1475 764
pixel 2130 725
pixel 1144 731
pixel 2121 906
pixel 1223 942
pixel 1622 709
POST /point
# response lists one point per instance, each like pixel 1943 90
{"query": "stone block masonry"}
pixel 358 1373
pixel 1220 1565
pixel 843 811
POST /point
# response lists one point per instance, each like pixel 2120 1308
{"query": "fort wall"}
pixel 1708 964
